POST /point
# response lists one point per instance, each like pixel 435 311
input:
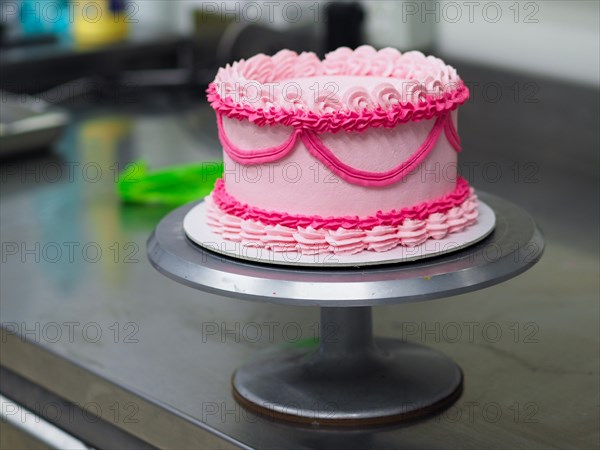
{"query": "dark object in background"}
pixel 344 23
pixel 25 41
pixel 246 40
pixel 63 63
pixel 222 38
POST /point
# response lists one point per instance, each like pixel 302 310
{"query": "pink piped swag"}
pixel 349 174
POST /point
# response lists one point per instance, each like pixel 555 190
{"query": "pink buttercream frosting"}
pixel 233 207
pixel 315 147
pixel 257 89
pixel 330 160
pixel 349 239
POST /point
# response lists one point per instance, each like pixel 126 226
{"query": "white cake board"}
pixel 199 232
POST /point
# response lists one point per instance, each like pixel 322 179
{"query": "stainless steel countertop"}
pixel 154 358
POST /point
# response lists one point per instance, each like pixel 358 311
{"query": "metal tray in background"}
pixel 28 124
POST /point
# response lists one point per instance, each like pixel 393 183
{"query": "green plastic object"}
pixel 171 186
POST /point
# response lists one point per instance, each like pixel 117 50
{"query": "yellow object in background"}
pixel 99 22
pixel 99 142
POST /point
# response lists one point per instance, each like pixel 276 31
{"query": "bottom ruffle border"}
pixel 311 241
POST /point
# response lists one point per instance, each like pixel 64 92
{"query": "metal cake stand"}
pixel 352 378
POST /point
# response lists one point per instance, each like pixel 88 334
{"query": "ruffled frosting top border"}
pixel 430 88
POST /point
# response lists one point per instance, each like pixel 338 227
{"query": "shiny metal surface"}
pixel 349 379
pixel 28 124
pixel 528 347
pixel 513 246
pixel 71 417
pixel 36 428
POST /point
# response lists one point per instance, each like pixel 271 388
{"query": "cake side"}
pixel 398 172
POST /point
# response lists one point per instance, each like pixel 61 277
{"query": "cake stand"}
pixel 352 378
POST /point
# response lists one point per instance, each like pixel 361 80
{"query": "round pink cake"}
pixel 356 152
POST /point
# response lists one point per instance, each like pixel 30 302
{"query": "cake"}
pixel 353 153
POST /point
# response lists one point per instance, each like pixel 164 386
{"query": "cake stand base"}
pixel 350 379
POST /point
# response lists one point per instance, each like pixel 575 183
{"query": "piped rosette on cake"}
pixel 356 152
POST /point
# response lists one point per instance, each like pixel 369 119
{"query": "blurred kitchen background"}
pixel 551 38
pixel 131 53
pixel 157 42
pixel 152 54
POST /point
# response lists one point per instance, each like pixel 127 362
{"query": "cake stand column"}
pixel 351 378
pixel 345 334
